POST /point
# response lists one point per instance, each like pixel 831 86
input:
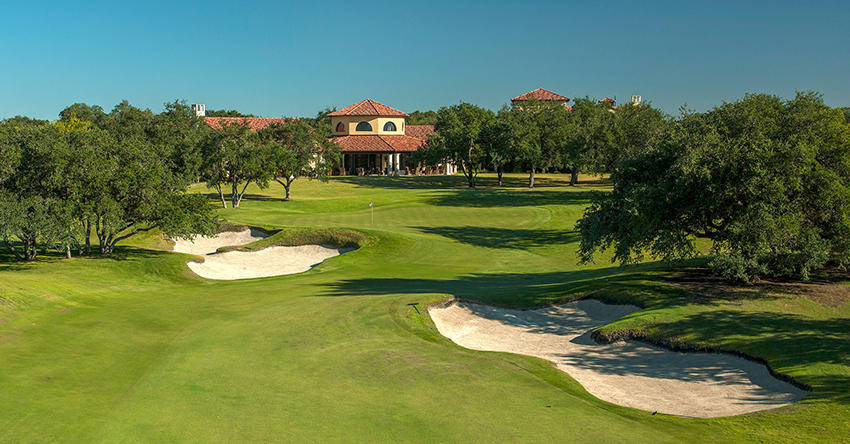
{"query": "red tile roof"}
pixel 368 107
pixel 256 123
pixel 607 100
pixel 383 144
pixel 540 94
pixel 414 137
pixel 418 131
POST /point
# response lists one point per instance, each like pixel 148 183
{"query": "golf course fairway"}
pixel 135 347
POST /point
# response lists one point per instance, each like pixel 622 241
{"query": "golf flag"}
pixel 370 204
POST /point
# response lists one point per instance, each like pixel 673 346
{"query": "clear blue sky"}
pixel 294 58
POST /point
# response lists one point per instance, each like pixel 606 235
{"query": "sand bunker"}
pixel 631 374
pixel 272 261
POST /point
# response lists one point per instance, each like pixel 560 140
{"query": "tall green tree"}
pixel 539 134
pixel 589 144
pixel 179 134
pixel 234 156
pixel 634 129
pixel 422 118
pixel 765 180
pixel 456 137
pixel 27 202
pixel 296 150
pixel 19 120
pixel 497 139
pixel 113 176
pixel 321 123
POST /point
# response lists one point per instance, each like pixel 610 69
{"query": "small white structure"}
pixel 199 109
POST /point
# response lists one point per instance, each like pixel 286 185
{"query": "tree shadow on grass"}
pixel 214 197
pixel 524 290
pixel 126 253
pixel 8 262
pixel 458 181
pixel 504 238
pixel 825 288
pixel 499 197
pixel 406 182
pixel 784 340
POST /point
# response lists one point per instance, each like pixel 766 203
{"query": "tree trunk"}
pixel 574 177
pixel 67 251
pixel 239 197
pixel 30 251
pixel 466 172
pixel 531 177
pixel 221 195
pixel 88 235
pixel 104 239
pixel 286 185
pixel 234 196
pixel 12 249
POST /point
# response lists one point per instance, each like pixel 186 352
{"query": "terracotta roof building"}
pixel 542 95
pixel 256 123
pixel 375 139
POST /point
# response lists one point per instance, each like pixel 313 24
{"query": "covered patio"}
pixel 373 163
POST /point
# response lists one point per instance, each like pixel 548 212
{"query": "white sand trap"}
pixel 272 261
pixel 631 374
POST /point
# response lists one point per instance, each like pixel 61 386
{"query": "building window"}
pixel 340 127
pixel 364 126
pixel 389 126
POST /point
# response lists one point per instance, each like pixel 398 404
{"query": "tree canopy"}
pixel 233 156
pixel 456 138
pixel 296 150
pixel 321 123
pixel 767 181
pixel 113 174
pixel 422 118
pixel 538 135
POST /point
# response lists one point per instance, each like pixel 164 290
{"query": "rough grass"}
pixel 135 348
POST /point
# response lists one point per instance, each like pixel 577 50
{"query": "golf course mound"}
pixel 632 374
pixel 270 261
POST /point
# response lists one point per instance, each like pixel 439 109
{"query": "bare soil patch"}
pixel 631 374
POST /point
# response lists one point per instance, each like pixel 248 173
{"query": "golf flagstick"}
pixel 373 212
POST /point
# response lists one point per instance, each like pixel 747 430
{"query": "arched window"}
pixel 364 126
pixel 340 127
pixel 389 126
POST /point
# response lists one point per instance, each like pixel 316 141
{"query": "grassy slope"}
pixel 136 349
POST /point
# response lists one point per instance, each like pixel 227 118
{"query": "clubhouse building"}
pixel 375 139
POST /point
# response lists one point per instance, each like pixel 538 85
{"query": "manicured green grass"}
pixel 135 348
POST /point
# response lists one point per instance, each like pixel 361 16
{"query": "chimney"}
pixel 199 109
pixel 635 100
